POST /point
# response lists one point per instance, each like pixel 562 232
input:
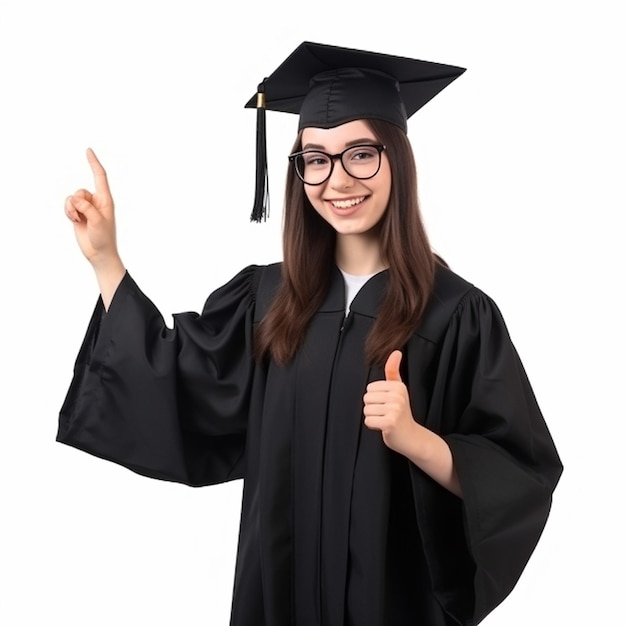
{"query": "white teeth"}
pixel 346 204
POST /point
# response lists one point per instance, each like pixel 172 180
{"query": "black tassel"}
pixel 260 210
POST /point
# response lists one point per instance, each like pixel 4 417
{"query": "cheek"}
pixel 313 194
pixel 387 176
pixel 387 183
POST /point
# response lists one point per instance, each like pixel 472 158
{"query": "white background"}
pixel 521 165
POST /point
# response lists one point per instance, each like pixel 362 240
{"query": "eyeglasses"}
pixel 315 167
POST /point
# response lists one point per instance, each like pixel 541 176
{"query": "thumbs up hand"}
pixel 387 407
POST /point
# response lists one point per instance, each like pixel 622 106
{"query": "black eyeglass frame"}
pixel 339 156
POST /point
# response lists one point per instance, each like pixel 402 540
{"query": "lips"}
pixel 348 203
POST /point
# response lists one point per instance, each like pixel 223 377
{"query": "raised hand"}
pixel 92 214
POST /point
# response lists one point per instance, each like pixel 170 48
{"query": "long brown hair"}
pixel 309 256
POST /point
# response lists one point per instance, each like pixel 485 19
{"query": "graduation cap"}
pixel 328 86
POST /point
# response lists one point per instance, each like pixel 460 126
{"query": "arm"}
pixel 387 408
pixel 481 402
pixel 94 226
pixel 169 403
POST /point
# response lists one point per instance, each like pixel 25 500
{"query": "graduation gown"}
pixel 336 529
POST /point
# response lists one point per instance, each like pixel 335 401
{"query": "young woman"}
pixel 397 468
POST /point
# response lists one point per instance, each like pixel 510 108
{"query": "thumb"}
pixel 392 366
pixel 82 205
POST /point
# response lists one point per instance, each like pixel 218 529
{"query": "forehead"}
pixel 339 136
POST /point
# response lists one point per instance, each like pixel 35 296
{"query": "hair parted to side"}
pixel 309 257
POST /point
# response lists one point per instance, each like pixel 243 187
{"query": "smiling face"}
pixel 350 205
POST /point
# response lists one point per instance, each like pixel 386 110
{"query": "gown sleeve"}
pixel 505 458
pixel 169 403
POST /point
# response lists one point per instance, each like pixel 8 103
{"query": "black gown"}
pixel 336 529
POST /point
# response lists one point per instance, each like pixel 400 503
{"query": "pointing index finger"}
pixel 99 173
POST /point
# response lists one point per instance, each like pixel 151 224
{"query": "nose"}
pixel 339 178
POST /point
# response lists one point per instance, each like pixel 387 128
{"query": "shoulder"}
pixel 266 281
pixel 267 275
pixel 452 296
pixel 248 285
pixel 449 286
pixel 254 277
pixel 260 282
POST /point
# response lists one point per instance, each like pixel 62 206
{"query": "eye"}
pixel 362 153
pixel 315 159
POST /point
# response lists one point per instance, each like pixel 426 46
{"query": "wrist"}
pixel 107 264
pixel 109 275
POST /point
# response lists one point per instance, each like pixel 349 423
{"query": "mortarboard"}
pixel 328 86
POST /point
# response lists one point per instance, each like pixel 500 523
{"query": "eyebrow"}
pixel 355 142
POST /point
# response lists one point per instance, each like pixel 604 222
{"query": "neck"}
pixel 359 254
